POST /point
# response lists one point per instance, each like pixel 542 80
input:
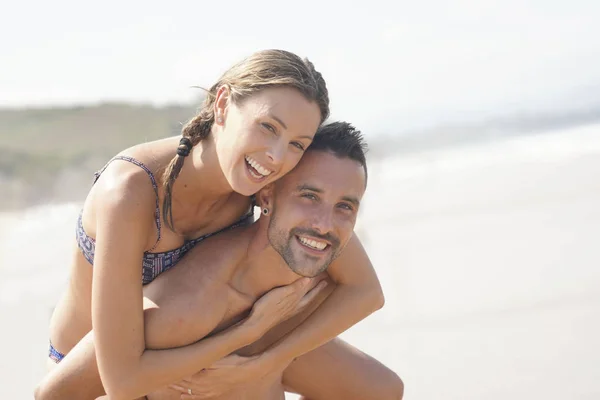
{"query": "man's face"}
pixel 314 210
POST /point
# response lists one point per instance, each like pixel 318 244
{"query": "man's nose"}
pixel 322 221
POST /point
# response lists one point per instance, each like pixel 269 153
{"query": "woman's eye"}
pixel 298 145
pixel 269 127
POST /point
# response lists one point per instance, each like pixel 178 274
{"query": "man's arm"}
pixel 358 294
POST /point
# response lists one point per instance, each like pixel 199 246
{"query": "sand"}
pixel 488 254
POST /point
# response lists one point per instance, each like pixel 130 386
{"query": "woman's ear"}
pixel 222 99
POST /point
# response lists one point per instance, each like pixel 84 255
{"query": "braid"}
pixel 194 131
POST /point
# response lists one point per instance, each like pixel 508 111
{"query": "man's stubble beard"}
pixel 276 236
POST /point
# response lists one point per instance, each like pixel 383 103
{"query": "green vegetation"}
pixel 51 154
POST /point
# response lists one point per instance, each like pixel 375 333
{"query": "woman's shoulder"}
pixel 133 169
pixel 129 180
pixel 123 181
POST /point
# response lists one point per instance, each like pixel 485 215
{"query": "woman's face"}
pixel 263 137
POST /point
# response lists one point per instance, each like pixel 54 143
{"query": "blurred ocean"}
pixel 488 253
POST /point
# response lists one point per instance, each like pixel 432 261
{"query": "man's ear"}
pixel 264 198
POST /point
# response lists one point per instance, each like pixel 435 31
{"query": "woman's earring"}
pixel 265 211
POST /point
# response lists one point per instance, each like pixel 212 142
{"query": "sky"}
pixel 386 63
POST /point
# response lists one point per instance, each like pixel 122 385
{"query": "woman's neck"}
pixel 201 178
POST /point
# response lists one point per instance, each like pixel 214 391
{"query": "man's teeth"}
pixel 259 168
pixel 313 243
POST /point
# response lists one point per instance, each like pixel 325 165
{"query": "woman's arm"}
pixel 127 370
pixel 77 375
pixel 357 295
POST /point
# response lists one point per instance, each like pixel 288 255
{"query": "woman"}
pixel 146 204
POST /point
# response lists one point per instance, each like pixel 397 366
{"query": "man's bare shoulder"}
pixel 215 257
pixel 196 286
pixel 222 251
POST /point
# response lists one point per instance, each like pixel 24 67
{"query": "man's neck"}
pixel 263 268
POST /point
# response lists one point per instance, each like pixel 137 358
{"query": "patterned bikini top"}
pixel 153 264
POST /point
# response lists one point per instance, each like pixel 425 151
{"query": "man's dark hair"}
pixel 343 140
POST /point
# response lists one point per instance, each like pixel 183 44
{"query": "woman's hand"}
pixel 221 377
pixel 281 303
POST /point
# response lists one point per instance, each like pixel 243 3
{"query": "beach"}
pixel 488 254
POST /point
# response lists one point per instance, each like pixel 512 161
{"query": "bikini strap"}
pixel 154 185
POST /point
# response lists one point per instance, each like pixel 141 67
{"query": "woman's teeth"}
pixel 312 243
pixel 257 167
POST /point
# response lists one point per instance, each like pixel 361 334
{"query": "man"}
pixel 308 217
